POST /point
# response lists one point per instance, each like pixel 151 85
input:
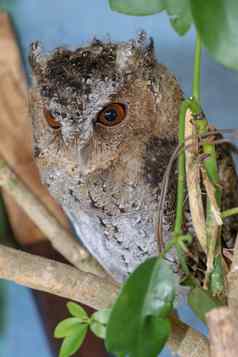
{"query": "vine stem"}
pixel 229 212
pixel 197 69
pixel 195 107
pixel 181 171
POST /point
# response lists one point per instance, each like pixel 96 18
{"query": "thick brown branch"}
pixel 223 332
pixel 55 278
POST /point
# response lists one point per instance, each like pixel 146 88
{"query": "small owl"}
pixel 105 122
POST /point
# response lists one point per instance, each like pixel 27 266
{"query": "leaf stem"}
pixel 197 69
pixel 229 212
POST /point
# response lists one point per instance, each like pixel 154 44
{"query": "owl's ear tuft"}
pixel 36 59
pixel 144 42
pixel 135 53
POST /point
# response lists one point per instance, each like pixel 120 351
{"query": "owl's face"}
pixel 102 117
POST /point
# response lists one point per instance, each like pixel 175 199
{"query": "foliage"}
pixel 215 21
pixel 73 329
pixel 139 324
pixel 180 15
pixel 137 7
pixel 201 302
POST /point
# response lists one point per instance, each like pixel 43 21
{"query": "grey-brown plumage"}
pixel 107 177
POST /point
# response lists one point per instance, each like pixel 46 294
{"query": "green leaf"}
pixel 99 321
pixel 77 311
pixel 72 343
pixel 121 354
pixel 217 277
pixel 155 333
pixel 140 311
pixel 137 7
pixel 102 316
pixel 180 15
pixel 216 22
pixel 67 327
pixel 98 329
pixel 201 302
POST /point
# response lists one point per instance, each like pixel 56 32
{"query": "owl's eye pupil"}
pixel 110 115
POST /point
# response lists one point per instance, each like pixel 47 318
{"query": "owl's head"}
pixel 92 103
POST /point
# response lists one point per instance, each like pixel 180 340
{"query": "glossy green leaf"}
pixel 180 15
pixel 73 342
pixel 102 316
pixel 155 333
pixel 137 7
pixel 201 302
pixel 216 22
pixel 98 329
pixel 67 327
pixel 140 311
pixel 77 310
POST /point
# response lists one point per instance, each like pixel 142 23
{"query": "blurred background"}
pixel 72 23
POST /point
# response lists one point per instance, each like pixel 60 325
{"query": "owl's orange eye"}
pixel 51 120
pixel 112 114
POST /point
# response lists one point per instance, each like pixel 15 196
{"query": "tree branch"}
pixel 55 278
pixel 223 332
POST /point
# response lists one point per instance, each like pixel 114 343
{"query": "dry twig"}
pixel 193 182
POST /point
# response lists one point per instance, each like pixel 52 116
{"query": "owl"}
pixel 105 123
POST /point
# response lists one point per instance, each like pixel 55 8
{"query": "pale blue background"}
pixel 73 22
